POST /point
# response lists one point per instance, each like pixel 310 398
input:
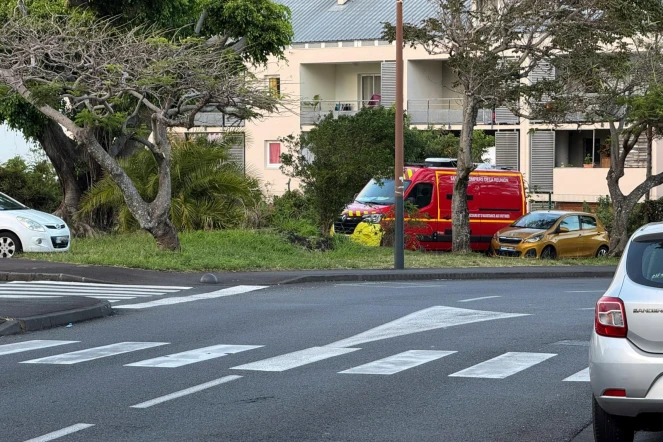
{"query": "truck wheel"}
pixel 609 428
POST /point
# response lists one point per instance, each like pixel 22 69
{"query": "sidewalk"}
pixel 19 269
pixel 22 315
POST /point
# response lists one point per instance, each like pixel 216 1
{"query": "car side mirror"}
pixel 411 200
pixel 354 198
pixel 563 230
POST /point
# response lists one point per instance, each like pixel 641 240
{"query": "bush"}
pixel 208 190
pixel 291 213
pixel 642 213
pixel 34 185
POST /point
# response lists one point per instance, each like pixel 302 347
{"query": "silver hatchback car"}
pixel 626 350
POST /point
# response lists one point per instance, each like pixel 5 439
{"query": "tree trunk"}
pixel 650 142
pixel 63 154
pixel 165 235
pixel 460 213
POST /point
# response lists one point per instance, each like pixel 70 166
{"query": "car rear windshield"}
pixel 542 221
pixel 379 192
pixel 644 263
pixel 7 203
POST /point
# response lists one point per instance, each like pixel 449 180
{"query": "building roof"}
pixel 326 20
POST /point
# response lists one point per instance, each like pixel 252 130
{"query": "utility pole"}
pixel 399 234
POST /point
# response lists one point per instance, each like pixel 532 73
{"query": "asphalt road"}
pixel 467 361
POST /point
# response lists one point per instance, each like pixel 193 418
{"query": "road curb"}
pixel 454 276
pixel 27 277
pixel 56 319
pixel 10 327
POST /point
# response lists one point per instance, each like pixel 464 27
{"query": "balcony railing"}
pixel 450 111
pixel 312 111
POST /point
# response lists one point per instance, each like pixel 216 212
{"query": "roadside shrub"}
pixel 34 185
pixel 642 213
pixel 291 213
pixel 208 190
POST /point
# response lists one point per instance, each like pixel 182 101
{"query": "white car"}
pixel 25 230
pixel 626 350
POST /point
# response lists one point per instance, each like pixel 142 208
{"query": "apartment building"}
pixel 339 63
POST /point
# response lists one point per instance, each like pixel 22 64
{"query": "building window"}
pixel 371 88
pixel 273 154
pixel 274 85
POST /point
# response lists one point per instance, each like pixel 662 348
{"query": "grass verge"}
pixel 248 250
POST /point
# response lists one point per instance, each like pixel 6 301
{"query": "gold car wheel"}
pixel 549 253
pixel 602 252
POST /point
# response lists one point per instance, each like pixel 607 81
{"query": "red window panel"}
pixel 274 153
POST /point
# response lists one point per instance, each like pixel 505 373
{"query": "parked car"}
pixel 496 198
pixel 626 349
pixel 25 230
pixel 553 234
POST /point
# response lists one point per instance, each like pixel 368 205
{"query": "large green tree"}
pixel 84 74
pixel 253 30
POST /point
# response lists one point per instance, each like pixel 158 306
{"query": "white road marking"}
pixel 113 297
pixel 587 308
pixel 428 319
pixel 42 288
pixel 84 294
pixel 180 299
pixel 295 359
pixel 585 291
pixel 89 284
pixel 581 376
pixel 27 297
pixel 58 434
pixel 400 362
pixel 95 353
pixel 479 299
pixel 186 392
pixel 20 347
pixel 193 356
pixel 503 366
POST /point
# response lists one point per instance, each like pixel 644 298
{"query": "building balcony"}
pixel 449 111
pixel 311 112
pixel 587 184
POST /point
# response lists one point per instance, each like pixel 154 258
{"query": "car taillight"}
pixel 610 319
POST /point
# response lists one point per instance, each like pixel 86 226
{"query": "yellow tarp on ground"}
pixel 367 234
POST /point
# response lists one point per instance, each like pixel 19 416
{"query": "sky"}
pixel 12 144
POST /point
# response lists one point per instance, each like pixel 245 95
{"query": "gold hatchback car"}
pixel 553 234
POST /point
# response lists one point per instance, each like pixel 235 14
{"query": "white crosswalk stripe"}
pixel 61 433
pixel 111 292
pixel 500 367
pixel 20 347
pixel 503 366
pixel 581 376
pixel 295 359
pixel 400 362
pixel 90 354
pixel 193 356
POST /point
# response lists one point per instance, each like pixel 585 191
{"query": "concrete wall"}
pixel 347 79
pixel 448 79
pixel 318 79
pixel 424 80
pixel 577 183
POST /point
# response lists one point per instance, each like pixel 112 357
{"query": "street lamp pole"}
pixel 399 234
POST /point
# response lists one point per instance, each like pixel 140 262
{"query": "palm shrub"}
pixel 209 190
